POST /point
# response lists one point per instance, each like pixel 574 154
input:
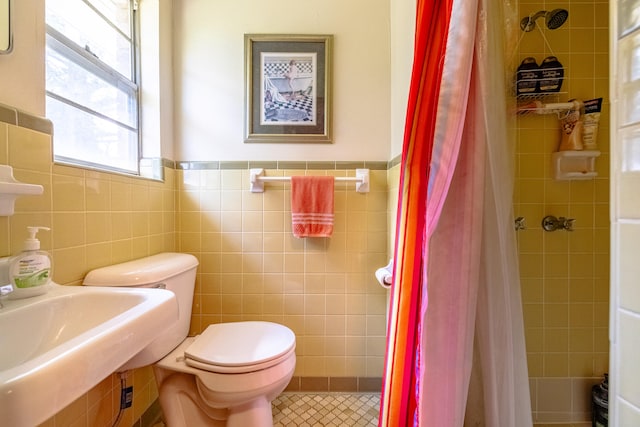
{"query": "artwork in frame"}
pixel 288 88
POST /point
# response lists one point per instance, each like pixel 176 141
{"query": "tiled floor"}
pixel 323 410
pixel 326 410
pixel 564 425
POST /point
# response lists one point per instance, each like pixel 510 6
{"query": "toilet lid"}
pixel 240 346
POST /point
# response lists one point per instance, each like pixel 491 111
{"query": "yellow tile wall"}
pixel 253 268
pixel 565 275
pixel 96 219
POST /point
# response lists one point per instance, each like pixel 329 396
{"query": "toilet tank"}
pixel 173 271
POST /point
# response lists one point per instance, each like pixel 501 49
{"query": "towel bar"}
pixel 257 179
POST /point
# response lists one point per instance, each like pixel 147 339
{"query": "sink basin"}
pixel 57 346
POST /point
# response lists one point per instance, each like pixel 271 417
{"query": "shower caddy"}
pixel 566 165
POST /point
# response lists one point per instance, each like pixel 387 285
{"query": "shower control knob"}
pixel 567 223
pixel 551 223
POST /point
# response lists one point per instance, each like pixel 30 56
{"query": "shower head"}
pixel 554 19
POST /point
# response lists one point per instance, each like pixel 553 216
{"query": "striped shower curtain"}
pixel 399 403
pixel 447 274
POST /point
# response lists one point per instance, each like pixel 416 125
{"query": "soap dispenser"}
pixel 30 271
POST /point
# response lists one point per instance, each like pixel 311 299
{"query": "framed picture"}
pixel 288 88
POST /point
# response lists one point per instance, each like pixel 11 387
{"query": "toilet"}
pixel 226 376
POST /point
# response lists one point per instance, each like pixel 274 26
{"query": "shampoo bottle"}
pixel 30 271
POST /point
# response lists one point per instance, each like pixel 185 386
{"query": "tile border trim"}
pixel 281 164
pixel 15 117
pixel 335 384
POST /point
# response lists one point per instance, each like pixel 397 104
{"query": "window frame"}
pixel 84 58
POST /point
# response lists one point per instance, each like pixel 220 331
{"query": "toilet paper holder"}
pixel 384 275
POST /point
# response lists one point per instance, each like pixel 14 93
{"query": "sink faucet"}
pixel 4 291
pixel 5 287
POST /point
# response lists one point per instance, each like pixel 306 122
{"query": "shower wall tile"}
pixel 564 275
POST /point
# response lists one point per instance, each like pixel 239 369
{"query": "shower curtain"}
pixel 455 352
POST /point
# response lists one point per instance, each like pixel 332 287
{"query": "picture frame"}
pixel 288 88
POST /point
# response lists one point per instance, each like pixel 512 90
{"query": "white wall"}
pixel 368 122
pixel 403 21
pixel 157 79
pixel 22 71
pixel 209 73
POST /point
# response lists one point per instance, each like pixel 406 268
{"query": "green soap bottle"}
pixel 30 271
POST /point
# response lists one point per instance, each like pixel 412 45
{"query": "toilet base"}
pixel 182 407
pixel 256 413
pixel 192 397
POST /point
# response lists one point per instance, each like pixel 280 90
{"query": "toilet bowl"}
pixel 226 376
pixel 238 393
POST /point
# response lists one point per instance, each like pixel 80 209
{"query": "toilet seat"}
pixel 240 347
pixel 219 369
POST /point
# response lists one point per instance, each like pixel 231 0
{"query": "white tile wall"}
pixel 624 401
pixel 629 348
pixel 628 415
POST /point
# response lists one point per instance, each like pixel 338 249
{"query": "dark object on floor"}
pixel 600 403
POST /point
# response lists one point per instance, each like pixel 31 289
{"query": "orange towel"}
pixel 312 206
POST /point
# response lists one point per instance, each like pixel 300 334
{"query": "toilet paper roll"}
pixel 384 275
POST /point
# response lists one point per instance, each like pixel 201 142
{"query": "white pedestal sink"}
pixel 57 346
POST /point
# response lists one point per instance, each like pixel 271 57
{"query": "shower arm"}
pixel 529 23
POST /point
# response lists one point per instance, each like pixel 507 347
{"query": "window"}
pixel 92 87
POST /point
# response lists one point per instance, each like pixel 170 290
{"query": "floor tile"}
pixel 326 410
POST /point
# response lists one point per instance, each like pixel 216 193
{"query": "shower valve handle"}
pixel 567 223
pixel 551 223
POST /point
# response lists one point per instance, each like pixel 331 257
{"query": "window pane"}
pixel 90 31
pixel 628 16
pixel 73 82
pixel 630 144
pixel 82 136
pixel 629 79
pixel 117 12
